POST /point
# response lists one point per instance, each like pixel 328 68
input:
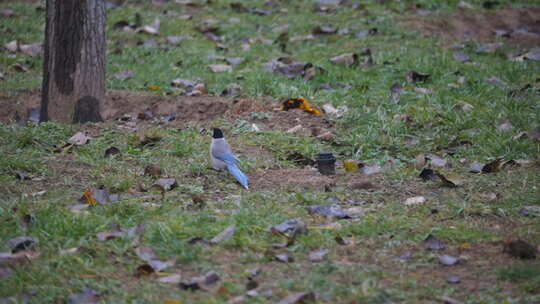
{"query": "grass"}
pixel 371 131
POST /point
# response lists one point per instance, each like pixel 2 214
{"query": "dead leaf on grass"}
pixel 166 183
pixel 324 30
pixel 415 200
pixel 371 169
pixel 300 159
pixel 224 235
pixel 451 179
pixel 364 33
pixel 219 68
pixel 428 174
pixel 318 255
pixel 414 76
pixel 462 57
pixel 284 258
pixel 123 75
pixel 9 258
pixel 170 279
pixel 154 264
pixel 151 29
pixel 99 195
pixel 453 279
pixel 32 49
pixel 22 243
pixel 79 139
pixel 432 243
pixel 506 125
pixel 298 298
pixel 111 151
pixel 436 160
pixel 290 227
pixel 342 241
pixel 494 166
pixel 448 260
pixel 153 170
pixel 530 211
pixel 347 59
pixel 87 295
pixel 205 281
pixel 299 103
pixel 287 67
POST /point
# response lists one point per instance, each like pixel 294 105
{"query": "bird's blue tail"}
pixel 239 175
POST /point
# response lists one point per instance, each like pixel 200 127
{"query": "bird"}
pixel 223 157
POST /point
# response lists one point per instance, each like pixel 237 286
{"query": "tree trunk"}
pixel 75 61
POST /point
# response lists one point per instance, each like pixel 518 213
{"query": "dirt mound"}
pixel 309 179
pixel 518 27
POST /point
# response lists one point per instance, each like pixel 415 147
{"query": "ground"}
pixel 394 237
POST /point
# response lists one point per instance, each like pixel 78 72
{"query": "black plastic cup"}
pixel 326 163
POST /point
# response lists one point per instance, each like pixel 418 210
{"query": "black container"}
pixel 326 163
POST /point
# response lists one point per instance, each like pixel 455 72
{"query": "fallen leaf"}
pixel 202 282
pixel 152 29
pixel 299 298
pixel 415 200
pixel 371 169
pixel 153 170
pixel 284 258
pixel 505 126
pixel 12 46
pixel 79 139
pixel 453 279
pixel 347 59
pixel 22 243
pixel 365 33
pixel 299 103
pixel 436 161
pixel 414 76
pixel 111 151
pixel 87 295
pixel 404 257
pixel 494 166
pixel 170 279
pixel 328 210
pixel 427 174
pixel 324 30
pixel 32 49
pixel 219 68
pixel 123 75
pixel 318 255
pixel 99 195
pixel 342 241
pixel 530 211
pixel 462 57
pixel 290 227
pixel 432 243
pixel 451 179
pixel 224 235
pixel 448 300
pixel 300 159
pixel 489 48
pixel 287 67
pixel 147 254
pixel 167 183
pixel 448 260
pixel 8 258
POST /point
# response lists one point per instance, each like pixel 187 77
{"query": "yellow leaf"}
pixel 154 87
pixel 465 246
pixel 350 165
pixel 90 200
pixel 172 302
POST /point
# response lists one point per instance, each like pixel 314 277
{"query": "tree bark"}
pixel 75 61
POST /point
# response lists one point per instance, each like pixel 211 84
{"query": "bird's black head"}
pixel 217 133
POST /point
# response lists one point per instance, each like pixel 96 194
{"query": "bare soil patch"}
pixel 292 179
pixel 517 27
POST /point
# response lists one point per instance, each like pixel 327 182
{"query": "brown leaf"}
pixel 299 298
pixel 224 235
pixel 88 295
pixel 219 68
pixel 153 170
pixel 432 243
pixel 494 166
pixel 167 183
pixel 284 257
pixel 324 30
pixel 414 76
pixel 318 255
pixel 79 139
pixel 32 49
pixel 451 179
pixel 347 59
